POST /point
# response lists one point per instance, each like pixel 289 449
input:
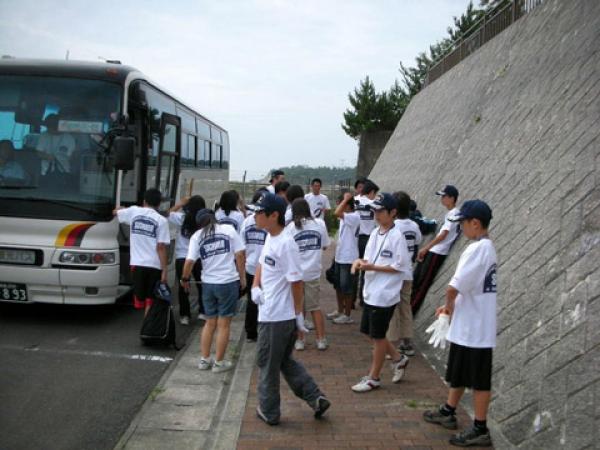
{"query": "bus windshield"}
pixel 53 158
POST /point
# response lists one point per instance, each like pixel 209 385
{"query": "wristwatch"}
pixel 184 280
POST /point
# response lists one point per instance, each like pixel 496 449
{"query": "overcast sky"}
pixel 274 73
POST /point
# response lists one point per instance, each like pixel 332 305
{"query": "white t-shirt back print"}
pixel 147 229
pixel 254 239
pixel 311 239
pixel 217 252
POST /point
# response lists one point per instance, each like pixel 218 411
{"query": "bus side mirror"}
pixel 124 152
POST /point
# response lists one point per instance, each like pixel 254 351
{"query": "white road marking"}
pixel 101 354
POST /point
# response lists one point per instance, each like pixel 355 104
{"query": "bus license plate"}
pixel 13 292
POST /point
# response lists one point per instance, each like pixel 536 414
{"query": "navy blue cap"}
pixel 473 209
pixel 202 214
pixel 384 200
pixel 270 203
pixel 448 190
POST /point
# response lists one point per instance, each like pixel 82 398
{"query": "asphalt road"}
pixel 73 377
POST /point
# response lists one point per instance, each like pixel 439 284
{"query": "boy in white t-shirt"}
pixel 319 203
pixel 148 241
pixel 386 264
pixel 367 225
pixel 277 290
pixel 471 305
pixel 432 255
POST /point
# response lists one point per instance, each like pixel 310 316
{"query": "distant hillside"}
pixel 303 174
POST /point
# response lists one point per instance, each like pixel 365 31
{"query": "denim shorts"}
pixel 343 279
pixel 220 299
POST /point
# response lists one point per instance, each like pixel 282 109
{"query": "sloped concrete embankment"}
pixel 518 124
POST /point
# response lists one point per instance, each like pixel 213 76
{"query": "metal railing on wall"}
pixel 489 26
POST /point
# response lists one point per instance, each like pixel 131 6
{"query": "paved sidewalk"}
pixel 192 409
pixel 387 418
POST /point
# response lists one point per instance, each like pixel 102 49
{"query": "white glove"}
pixel 256 294
pixel 439 331
pixel 300 323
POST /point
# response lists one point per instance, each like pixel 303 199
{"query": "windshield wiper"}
pixel 61 203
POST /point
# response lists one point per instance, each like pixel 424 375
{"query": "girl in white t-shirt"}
pixel 221 250
pixel 311 238
pixel 228 213
pixel 346 253
pixel 183 216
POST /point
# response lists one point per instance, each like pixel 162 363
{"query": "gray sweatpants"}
pixel 275 345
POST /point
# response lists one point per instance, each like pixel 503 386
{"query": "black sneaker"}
pixel 435 416
pixel 322 405
pixel 472 437
pixel 262 417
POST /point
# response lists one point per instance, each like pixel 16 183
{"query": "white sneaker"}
pixel 202 317
pixel 309 324
pixel 333 314
pixel 366 384
pixel 322 344
pixel 299 345
pixel 399 369
pixel 222 366
pixel 204 364
pixel 343 319
pixel 184 320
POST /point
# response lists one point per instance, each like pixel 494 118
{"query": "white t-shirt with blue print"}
pixel 147 229
pixel 217 252
pixel 311 239
pixel 473 322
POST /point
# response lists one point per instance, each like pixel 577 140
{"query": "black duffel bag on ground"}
pixel 158 327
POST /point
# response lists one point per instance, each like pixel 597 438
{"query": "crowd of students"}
pixel 271 249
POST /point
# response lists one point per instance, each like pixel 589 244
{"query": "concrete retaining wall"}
pixel 517 124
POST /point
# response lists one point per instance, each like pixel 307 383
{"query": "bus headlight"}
pixel 91 258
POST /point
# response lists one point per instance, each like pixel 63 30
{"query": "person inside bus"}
pixel 56 147
pixel 9 167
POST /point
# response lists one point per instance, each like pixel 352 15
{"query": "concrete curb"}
pixel 193 409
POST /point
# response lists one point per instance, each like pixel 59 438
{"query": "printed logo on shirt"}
pixel 144 226
pixel 386 253
pixel 255 236
pixel 229 221
pixel 489 283
pixel 308 240
pixel 217 244
pixel 410 237
pixel 317 212
pixel 269 261
pixel 365 212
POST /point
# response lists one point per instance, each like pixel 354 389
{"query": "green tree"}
pixel 464 25
pixel 364 112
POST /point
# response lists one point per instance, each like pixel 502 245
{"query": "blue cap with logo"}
pixel 270 203
pixel 384 200
pixel 448 190
pixel 473 209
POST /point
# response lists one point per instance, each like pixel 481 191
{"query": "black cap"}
pixel 276 173
pixel 384 201
pixel 448 190
pixel 270 203
pixel 473 209
pixel 202 214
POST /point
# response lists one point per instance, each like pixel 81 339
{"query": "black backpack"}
pixel 158 327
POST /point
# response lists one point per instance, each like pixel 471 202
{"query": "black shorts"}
pixel 469 367
pixel 144 280
pixel 375 320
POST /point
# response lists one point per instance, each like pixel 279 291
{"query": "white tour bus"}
pixel 76 139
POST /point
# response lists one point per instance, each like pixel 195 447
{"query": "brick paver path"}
pixel 387 418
